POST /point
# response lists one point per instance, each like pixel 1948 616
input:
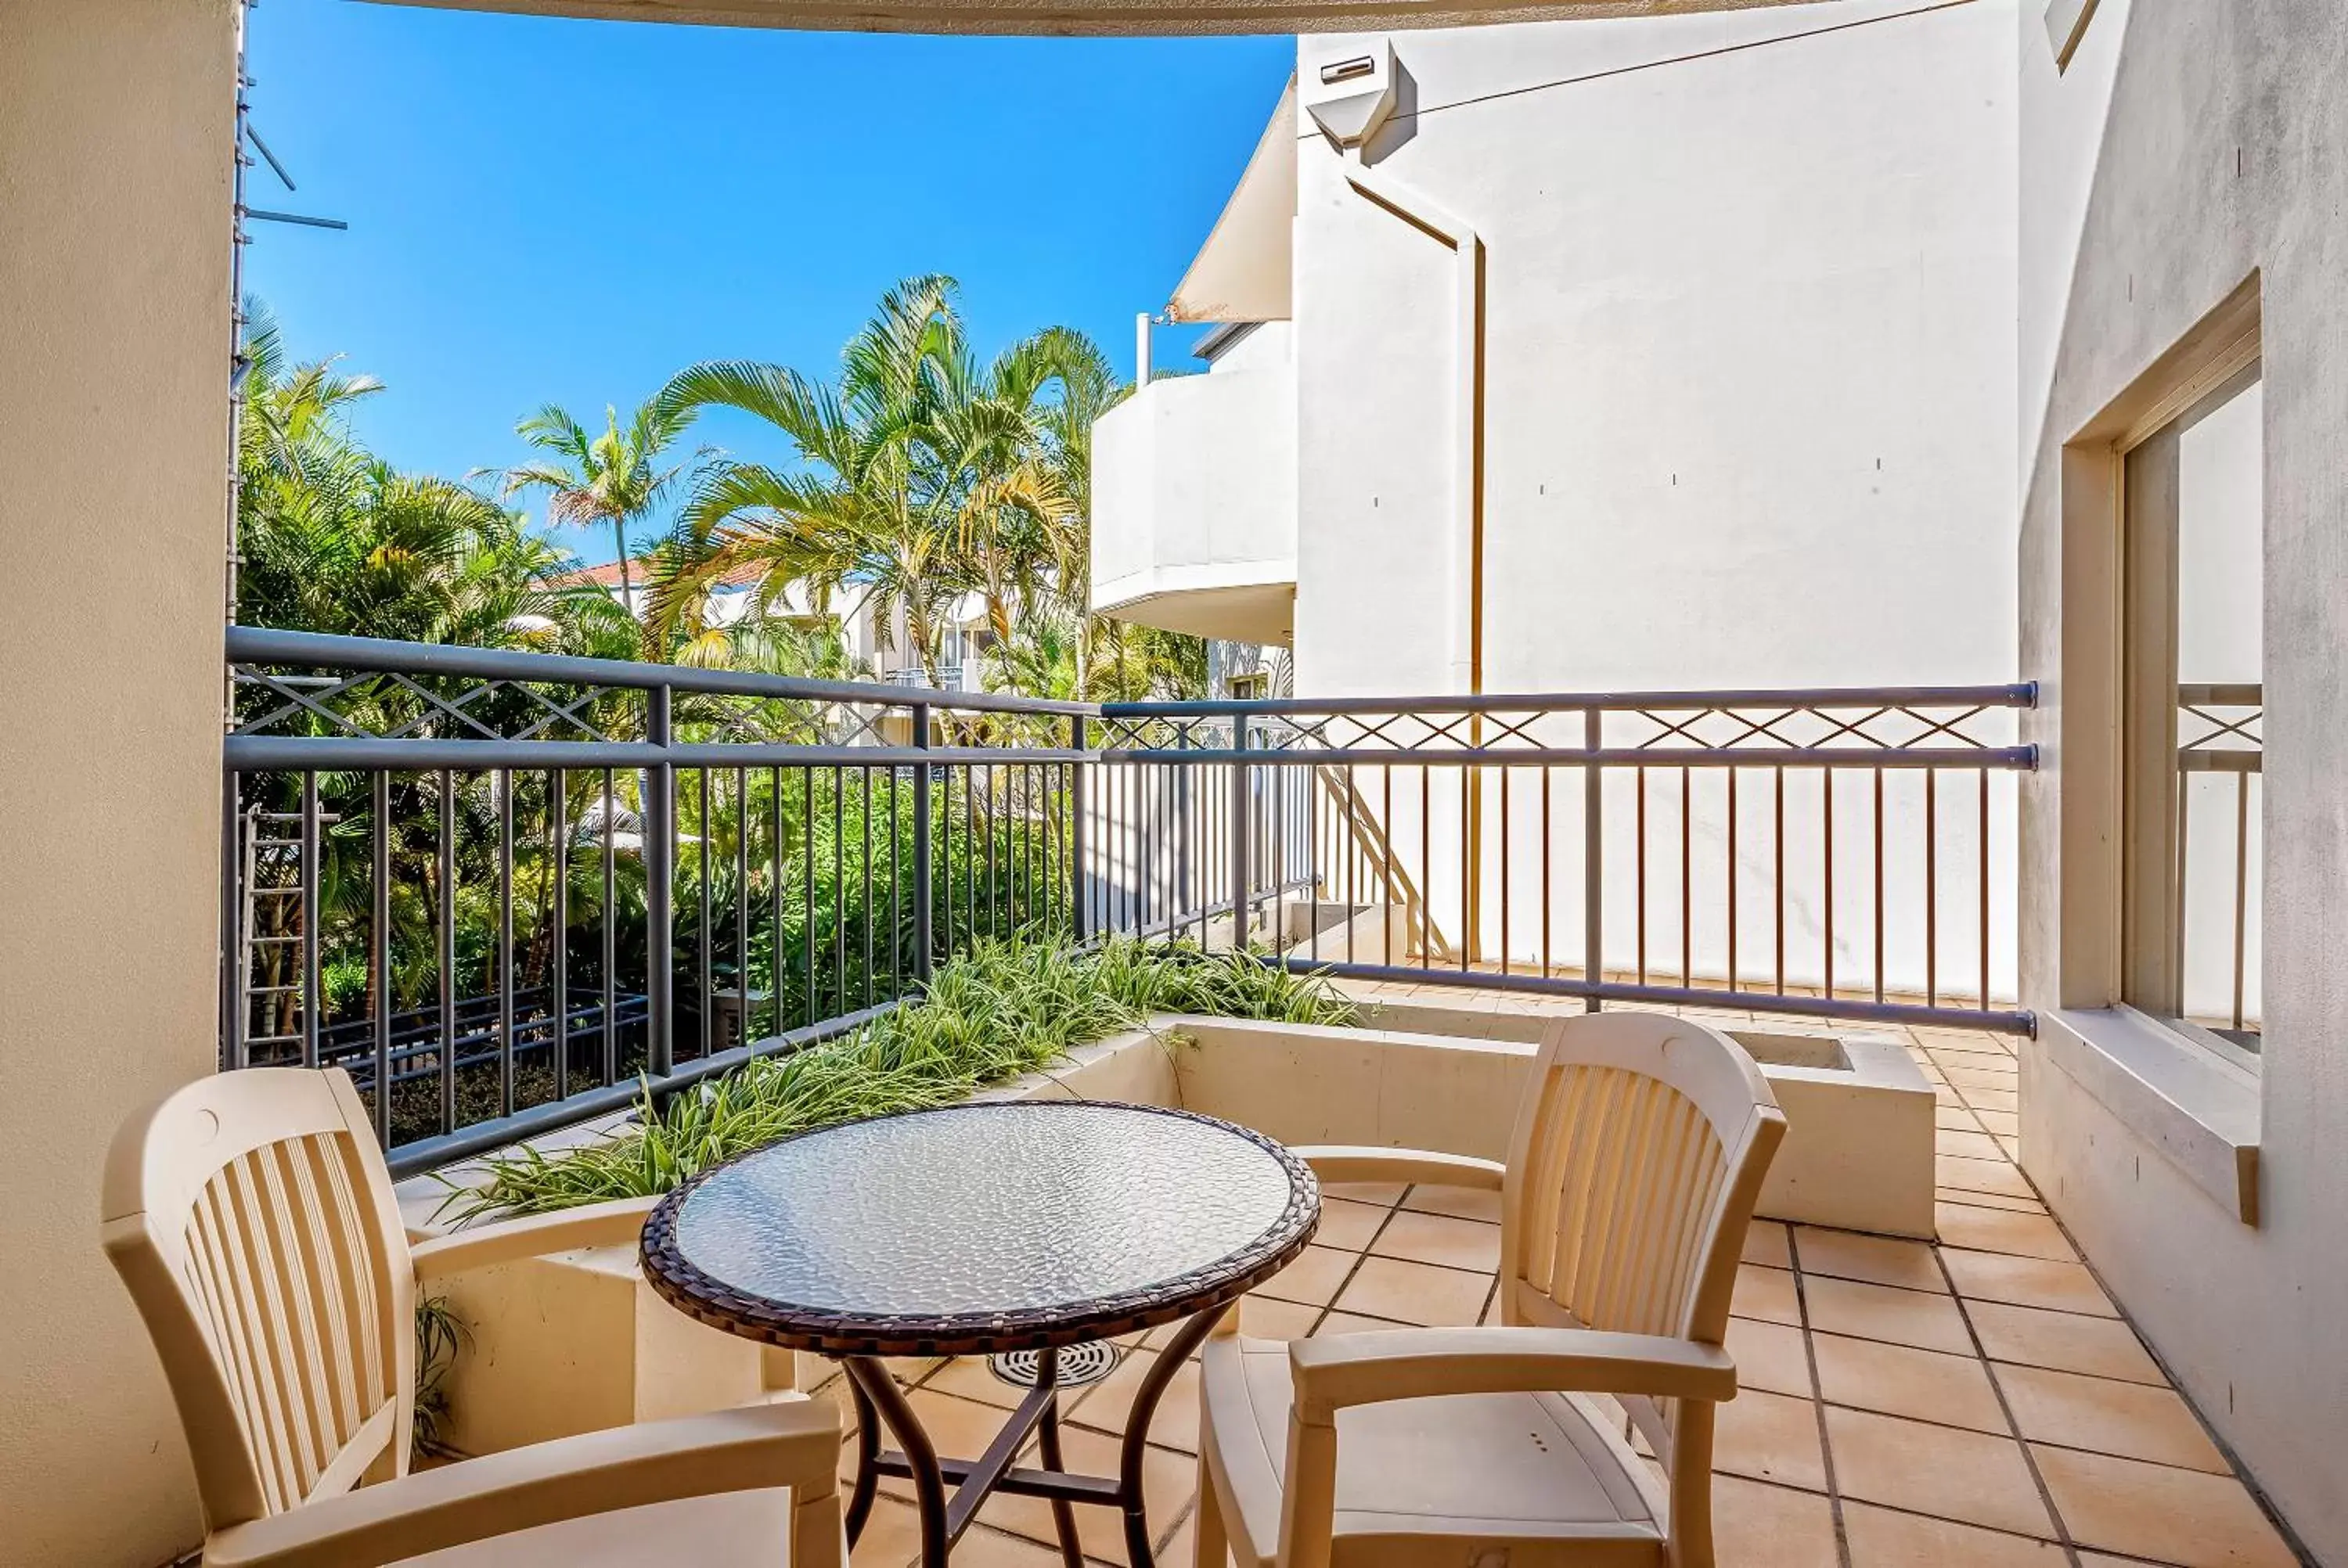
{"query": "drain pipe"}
pixel 1350 98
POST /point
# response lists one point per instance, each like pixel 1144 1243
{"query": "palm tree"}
pixel 774 646
pixel 293 420
pixel 1041 661
pixel 613 478
pixel 1018 523
pixel 1057 656
pixel 920 475
pixel 1088 388
pixel 332 539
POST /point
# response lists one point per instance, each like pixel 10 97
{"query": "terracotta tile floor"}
pixel 1980 1402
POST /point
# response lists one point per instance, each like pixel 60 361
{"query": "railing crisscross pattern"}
pixel 499 886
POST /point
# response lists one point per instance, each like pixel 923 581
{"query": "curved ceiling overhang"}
pixel 1099 19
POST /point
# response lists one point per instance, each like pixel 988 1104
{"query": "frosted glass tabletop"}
pixel 1029 1222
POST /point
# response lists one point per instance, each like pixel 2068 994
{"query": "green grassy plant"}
pixel 1002 1010
pixel 439 1334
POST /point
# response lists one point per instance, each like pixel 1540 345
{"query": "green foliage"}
pixel 917 475
pixel 345 982
pixel 1146 979
pixel 1005 1009
pixel 439 1332
pixel 332 539
pixel 611 479
pixel 1109 662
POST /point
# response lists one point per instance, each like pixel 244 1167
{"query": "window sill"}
pixel 2200 1112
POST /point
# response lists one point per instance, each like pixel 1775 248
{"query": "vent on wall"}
pixel 1349 94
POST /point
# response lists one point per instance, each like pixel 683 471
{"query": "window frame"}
pixel 2151 915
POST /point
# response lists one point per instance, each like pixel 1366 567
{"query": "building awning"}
pixel 1101 18
pixel 1242 272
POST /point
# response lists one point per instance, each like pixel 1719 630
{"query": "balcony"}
pixel 427 844
pixel 1194 495
pixel 426 852
pixel 950 677
pixel 1918 1389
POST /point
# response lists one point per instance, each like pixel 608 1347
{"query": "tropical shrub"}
pixel 439 1335
pixel 1006 1008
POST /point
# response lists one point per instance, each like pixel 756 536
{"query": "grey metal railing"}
pixel 2218 896
pixel 1832 853
pixel 426 846
pixel 950 677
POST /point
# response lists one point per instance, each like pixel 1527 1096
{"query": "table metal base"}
pixel 944 1516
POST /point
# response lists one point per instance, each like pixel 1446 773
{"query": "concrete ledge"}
pixel 1305 1084
pixel 1858 1144
pixel 2201 1114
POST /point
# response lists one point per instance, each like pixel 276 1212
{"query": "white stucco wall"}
pixel 115 131
pixel 1256 346
pixel 1750 385
pixel 1748 422
pixel 2188 146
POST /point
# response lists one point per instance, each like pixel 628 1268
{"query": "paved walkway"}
pixel 1980 1403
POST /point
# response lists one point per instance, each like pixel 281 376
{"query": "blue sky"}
pixel 567 211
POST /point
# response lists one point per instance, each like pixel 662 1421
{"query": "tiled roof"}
pixel 608 575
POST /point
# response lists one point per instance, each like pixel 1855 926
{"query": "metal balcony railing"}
pixel 425 845
pixel 2220 838
pixel 950 677
pixel 1842 853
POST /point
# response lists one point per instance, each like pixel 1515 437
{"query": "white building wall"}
pixel 2191 145
pixel 1750 352
pixel 1749 421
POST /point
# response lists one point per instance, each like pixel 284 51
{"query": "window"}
pixel 1252 687
pixel 2191 794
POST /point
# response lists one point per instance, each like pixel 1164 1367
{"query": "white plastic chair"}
pixel 1637 1155
pixel 252 1217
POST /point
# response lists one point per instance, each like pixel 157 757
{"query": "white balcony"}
pixel 1194 497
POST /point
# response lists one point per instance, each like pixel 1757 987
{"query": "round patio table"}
pixel 974 1229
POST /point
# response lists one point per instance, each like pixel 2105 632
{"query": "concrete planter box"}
pixel 577 1341
pixel 1857 1154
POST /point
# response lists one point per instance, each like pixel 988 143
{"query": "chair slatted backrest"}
pixel 1638 1152
pixel 252 1217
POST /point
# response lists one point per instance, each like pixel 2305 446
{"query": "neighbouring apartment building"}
pixel 964 636
pixel 1865 342
pixel 1594 327
pixel 1648 355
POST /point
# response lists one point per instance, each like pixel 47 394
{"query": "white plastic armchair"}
pixel 1639 1150
pixel 252 1217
